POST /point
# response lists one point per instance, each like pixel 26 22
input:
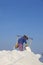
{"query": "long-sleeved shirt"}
pixel 22 40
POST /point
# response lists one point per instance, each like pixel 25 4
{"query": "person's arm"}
pixel 26 44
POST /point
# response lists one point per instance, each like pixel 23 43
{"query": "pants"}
pixel 20 47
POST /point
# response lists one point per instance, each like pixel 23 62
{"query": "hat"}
pixel 25 37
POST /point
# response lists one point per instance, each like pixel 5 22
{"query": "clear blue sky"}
pixel 21 17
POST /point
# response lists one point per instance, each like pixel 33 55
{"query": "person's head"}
pixel 25 37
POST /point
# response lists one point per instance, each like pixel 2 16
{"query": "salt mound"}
pixel 14 57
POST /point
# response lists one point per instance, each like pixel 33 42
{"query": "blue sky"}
pixel 21 17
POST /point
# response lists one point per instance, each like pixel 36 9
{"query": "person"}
pixel 21 41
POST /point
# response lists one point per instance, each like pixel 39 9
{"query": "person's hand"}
pixel 26 45
pixel 16 45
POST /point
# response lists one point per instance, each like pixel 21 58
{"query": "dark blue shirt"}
pixel 22 40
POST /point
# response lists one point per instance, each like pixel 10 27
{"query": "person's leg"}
pixel 20 47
